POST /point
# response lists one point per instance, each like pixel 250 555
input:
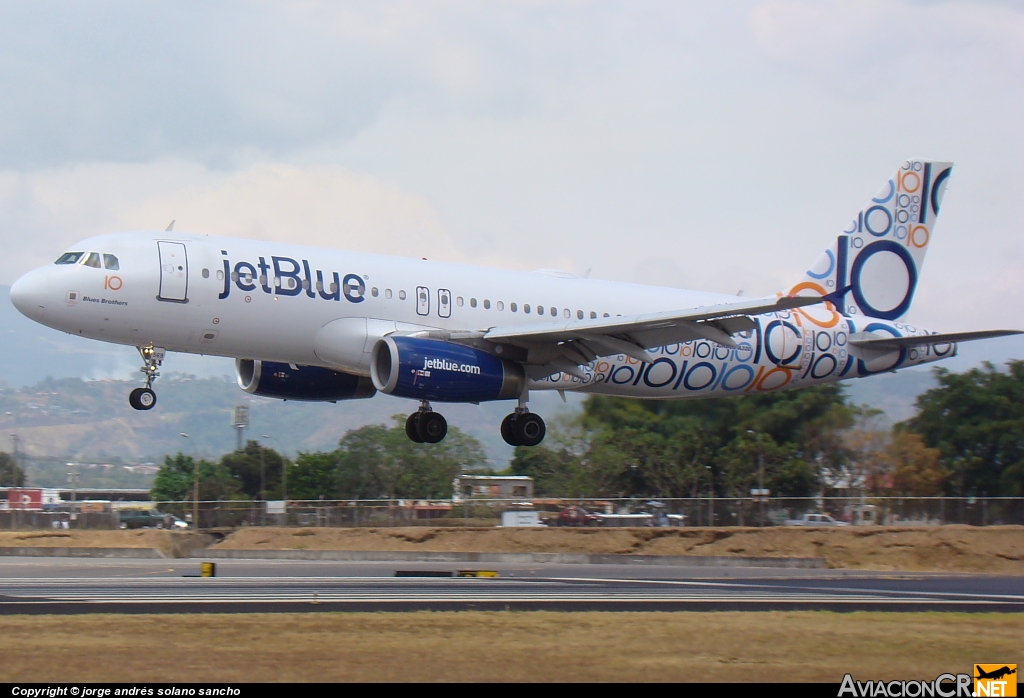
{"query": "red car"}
pixel 578 516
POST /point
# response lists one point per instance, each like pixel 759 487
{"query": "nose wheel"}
pixel 523 428
pixel 145 398
pixel 142 398
pixel 426 426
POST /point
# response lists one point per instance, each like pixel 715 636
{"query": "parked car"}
pixel 814 520
pixel 578 516
pixel 149 518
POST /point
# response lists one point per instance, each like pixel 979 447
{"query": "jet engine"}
pixel 431 369
pixel 291 382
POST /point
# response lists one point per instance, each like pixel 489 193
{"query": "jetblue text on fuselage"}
pixel 291 278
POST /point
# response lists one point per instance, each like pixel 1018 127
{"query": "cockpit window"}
pixel 69 258
pixel 110 262
pixel 93 260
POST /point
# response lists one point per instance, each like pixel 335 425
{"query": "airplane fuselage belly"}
pixel 259 300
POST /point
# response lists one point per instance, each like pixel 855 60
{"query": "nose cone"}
pixel 29 294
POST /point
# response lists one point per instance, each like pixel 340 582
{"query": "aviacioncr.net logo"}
pixel 943 686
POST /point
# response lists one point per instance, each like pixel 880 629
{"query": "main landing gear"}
pixel 426 426
pixel 523 428
pixel 145 398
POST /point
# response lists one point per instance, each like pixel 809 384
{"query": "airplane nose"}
pixel 29 293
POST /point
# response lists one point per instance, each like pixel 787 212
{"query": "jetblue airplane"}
pixel 305 323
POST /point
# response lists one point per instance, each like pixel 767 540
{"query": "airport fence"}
pixel 607 512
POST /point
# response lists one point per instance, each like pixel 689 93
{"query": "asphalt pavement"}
pixel 68 585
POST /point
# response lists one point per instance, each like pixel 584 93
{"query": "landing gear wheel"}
pixel 412 430
pixel 529 429
pixel 142 398
pixel 508 432
pixel 432 427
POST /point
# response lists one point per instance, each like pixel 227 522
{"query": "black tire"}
pixel 529 429
pixel 433 427
pixel 142 399
pixel 508 431
pixel 412 427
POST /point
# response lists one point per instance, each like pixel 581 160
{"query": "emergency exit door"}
pixel 444 303
pixel 173 272
pixel 422 300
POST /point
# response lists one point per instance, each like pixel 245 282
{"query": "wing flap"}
pixel 688 321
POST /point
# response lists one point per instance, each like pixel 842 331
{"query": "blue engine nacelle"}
pixel 291 382
pixel 430 369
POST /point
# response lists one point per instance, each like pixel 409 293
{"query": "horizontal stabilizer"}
pixel 865 340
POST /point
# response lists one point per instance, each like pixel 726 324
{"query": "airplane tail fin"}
pixel 872 267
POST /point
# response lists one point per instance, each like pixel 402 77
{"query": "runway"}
pixel 48 585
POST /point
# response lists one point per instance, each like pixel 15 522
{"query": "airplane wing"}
pixel 866 340
pixel 563 346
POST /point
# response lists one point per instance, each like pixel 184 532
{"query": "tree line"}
pixel 966 439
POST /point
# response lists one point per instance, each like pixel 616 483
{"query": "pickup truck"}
pixel 814 520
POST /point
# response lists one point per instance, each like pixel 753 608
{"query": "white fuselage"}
pixel 261 300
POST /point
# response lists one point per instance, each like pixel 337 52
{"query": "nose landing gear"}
pixel 145 398
pixel 426 426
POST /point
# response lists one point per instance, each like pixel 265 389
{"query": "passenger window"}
pixel 526 308
pixel 459 301
pixel 206 272
pixel 93 260
pixel 487 304
pixel 320 286
pixel 512 307
pixel 500 305
pixel 387 293
pixel 220 275
pixel 579 314
pixel 373 291
pixel 401 295
pixel 305 285
pixel 69 258
pixel 540 309
pixel 593 315
pixel 472 302
pixel 605 315
pixel 110 262
pixel 333 288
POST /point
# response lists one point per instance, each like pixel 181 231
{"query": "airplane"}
pixel 317 324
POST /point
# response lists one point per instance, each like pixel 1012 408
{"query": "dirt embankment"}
pixel 994 549
pixel 176 544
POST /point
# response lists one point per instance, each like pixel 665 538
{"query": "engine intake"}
pixel 431 369
pixel 290 382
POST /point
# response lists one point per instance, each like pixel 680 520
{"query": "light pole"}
pixel 760 475
pixel 284 471
pixel 195 481
pixel 711 496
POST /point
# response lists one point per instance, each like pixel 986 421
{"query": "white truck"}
pixel 814 520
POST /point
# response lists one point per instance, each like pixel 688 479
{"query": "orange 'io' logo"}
pixel 112 282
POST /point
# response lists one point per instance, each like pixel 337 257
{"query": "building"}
pixel 492 487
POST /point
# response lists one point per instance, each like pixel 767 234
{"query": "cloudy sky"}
pixel 706 145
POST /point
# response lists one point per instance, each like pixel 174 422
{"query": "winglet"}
pixel 170 227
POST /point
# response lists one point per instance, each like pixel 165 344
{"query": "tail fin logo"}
pixel 873 266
